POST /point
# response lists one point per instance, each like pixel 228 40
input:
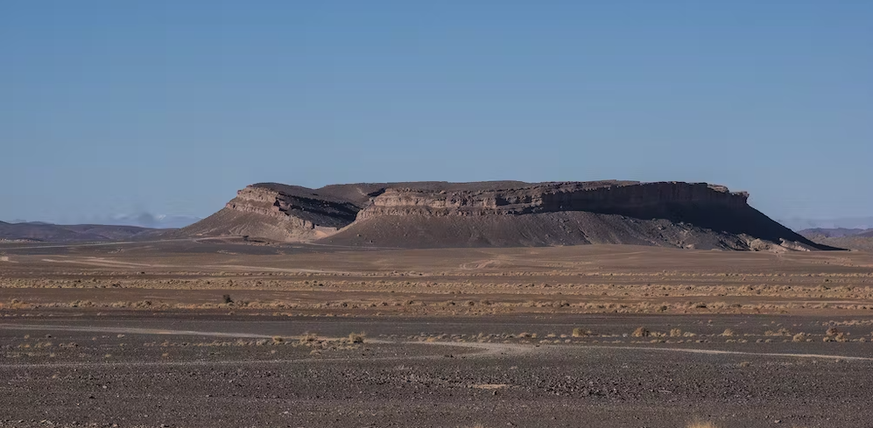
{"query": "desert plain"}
pixel 219 332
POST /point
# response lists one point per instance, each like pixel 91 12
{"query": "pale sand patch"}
pixel 490 386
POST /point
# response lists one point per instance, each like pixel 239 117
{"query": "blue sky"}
pixel 169 107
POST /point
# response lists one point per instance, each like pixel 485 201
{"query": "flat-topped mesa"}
pixel 501 213
pixel 631 198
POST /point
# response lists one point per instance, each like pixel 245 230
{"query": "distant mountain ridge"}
pixel 799 224
pixel 146 219
pixel 46 232
pixel 835 232
pixel 856 239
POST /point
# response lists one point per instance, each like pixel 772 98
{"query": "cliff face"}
pixel 279 212
pixel 602 197
pixel 509 213
pixel 295 203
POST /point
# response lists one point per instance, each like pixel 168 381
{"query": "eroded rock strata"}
pixel 507 213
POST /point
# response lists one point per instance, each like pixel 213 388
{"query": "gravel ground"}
pixel 207 370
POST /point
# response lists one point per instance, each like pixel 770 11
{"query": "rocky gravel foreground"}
pixel 240 373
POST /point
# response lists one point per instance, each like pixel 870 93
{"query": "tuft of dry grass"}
pixel 356 338
pixel 701 424
pixel 641 332
pixel 728 332
pixel 581 332
pixel 834 335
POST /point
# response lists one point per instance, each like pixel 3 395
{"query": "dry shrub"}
pixel 308 338
pixel 356 338
pixel 700 424
pixel 728 332
pixel 799 337
pixel 641 332
pixel 675 332
pixel 581 332
pixel 834 335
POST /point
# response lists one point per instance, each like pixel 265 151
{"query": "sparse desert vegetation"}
pixel 641 332
pixel 105 278
pixel 528 320
pixel 581 332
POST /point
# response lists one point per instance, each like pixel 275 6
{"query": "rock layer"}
pixel 279 212
pixel 604 197
pixel 507 213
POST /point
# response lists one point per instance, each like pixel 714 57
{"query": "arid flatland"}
pixel 214 332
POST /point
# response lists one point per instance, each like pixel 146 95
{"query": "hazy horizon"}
pixel 168 108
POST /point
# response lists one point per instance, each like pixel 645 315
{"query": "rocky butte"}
pixel 504 214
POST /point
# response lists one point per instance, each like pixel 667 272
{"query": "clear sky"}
pixel 110 107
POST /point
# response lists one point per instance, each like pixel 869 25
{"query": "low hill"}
pixel 855 242
pixel 855 239
pixel 502 213
pixel 46 232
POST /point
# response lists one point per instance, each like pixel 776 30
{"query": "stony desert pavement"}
pixel 222 332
